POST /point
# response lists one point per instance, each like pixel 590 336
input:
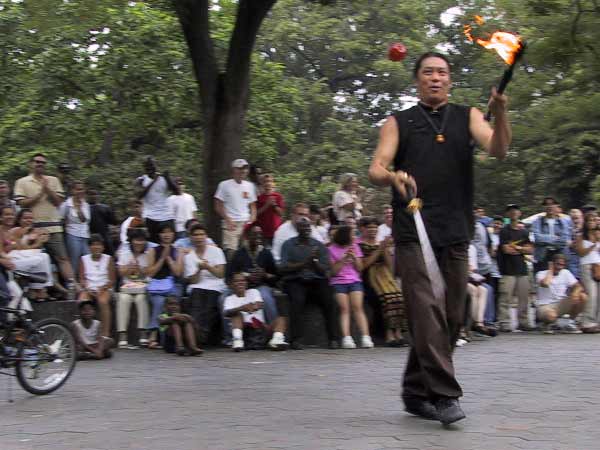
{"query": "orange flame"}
pixel 506 44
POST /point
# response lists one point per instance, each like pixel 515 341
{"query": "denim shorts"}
pixel 347 288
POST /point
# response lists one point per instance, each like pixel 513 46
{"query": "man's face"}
pixel 433 80
pixel 303 228
pixel 78 190
pixel 576 216
pixel 136 209
pixel 300 213
pixel 4 190
pixel 8 217
pixel 559 265
pixel 87 312
pixel 549 207
pixel 239 283
pixel 38 165
pixel 388 216
pixel 199 237
pixel 268 182
pixel 255 236
pixel 514 214
pixel 240 173
pixel 93 197
pixel 479 213
pixel 497 224
pixel 150 166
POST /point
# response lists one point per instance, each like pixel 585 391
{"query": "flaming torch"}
pixel 509 46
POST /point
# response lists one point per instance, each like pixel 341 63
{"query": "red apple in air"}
pixel 397 51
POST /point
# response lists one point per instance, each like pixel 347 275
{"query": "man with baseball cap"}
pixel 235 203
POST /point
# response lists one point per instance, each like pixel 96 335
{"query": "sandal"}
pixel 196 352
pixel 153 345
pixel 180 351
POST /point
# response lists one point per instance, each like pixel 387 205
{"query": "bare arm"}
pixel 495 140
pixel 252 212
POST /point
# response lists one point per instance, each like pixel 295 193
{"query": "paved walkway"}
pixel 534 392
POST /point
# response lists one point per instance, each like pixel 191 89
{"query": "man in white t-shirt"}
pixel 154 190
pixel 183 208
pixel 204 270
pixel 288 230
pixel 558 294
pixel 235 203
pixel 385 229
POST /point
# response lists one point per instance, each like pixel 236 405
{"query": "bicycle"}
pixel 43 354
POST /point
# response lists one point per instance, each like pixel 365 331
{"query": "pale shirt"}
pixel 73 225
pixel 252 295
pixel 551 223
pixel 96 272
pixel 126 257
pixel 236 198
pixel 89 336
pixel 557 290
pixel 215 257
pixel 156 200
pixel 183 208
pixel 341 198
pixel 592 257
pixel 383 231
pixel 43 211
pixel 286 231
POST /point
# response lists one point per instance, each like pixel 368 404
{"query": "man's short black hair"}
pixel 512 206
pixel 86 303
pixel 189 222
pixel 365 221
pixel 38 154
pixel 500 218
pixel 96 239
pixel 552 199
pixel 424 56
pixel 196 227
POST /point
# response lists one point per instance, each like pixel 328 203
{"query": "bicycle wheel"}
pixel 48 357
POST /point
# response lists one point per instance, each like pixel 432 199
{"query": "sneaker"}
pixel 348 342
pixel 366 342
pixel 297 346
pixel 548 328
pixel 143 342
pixel 505 328
pixel 334 345
pixel 571 328
pixel 123 344
pixel 527 328
pixel 238 345
pixel 420 407
pixel 277 342
pixel 449 410
pixel 460 342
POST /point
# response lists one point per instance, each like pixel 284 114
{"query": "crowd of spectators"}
pixel 251 291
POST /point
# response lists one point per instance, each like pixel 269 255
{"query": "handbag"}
pixel 596 272
pixel 161 286
pixel 134 287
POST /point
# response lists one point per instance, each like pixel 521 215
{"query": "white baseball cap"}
pixel 239 163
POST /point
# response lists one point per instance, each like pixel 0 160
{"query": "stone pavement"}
pixel 522 391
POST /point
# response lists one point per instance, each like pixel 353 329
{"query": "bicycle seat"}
pixel 32 277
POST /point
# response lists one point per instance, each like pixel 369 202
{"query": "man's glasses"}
pixel 37 161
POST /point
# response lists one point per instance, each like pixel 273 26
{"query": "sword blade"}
pixel 433 269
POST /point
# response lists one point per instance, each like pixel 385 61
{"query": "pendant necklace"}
pixel 439 132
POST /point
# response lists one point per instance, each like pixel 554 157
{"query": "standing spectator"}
pixel 76 213
pixel 480 216
pixel 165 263
pixel 43 194
pixel 270 206
pixel 5 199
pixel 588 249
pixel 576 224
pixel 204 271
pixel 133 268
pixel 318 223
pixel 235 203
pixel 385 229
pixel 305 266
pixel 551 234
pixel 97 278
pixel 345 200
pixel 346 265
pixel 183 208
pixel 134 221
pixel 378 264
pixel 154 189
pixel 559 294
pixel 102 217
pixel 514 245
pixel 91 343
pixel 289 229
pixel 483 245
pixel 64 175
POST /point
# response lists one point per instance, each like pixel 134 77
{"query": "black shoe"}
pixel 297 346
pixel 420 407
pixel 449 410
pixel 334 345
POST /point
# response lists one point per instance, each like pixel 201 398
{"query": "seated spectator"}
pixel 346 265
pixel 235 203
pixel 97 279
pixel 385 229
pixel 178 329
pixel 588 248
pixel 378 263
pixel 270 207
pixel 513 246
pixel 134 221
pixel 91 342
pixel 22 257
pixel 183 208
pixel 551 234
pixel 204 271
pixel 559 294
pixel 288 229
pixel 478 293
pixel 245 308
pixel 133 268
pixel 185 243
pixel 165 263
pixel 76 215
pixel 5 199
pixel 305 269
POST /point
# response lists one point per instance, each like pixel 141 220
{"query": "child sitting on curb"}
pixel 90 344
pixel 177 328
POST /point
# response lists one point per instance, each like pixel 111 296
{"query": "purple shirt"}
pixel 348 273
